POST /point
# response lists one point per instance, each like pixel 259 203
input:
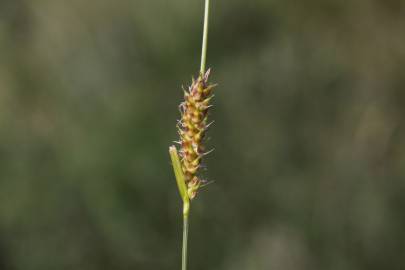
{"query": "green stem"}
pixel 205 37
pixel 185 238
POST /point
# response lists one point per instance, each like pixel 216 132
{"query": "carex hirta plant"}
pixel 192 128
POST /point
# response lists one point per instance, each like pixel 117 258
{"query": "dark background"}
pixel 309 133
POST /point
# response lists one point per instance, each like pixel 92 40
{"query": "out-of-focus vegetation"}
pixel 309 166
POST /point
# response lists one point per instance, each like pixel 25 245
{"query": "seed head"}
pixel 192 128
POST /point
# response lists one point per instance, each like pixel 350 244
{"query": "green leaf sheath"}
pixel 178 172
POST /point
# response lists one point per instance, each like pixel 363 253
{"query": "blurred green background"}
pixel 309 166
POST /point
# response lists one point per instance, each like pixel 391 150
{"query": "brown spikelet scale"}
pixel 192 128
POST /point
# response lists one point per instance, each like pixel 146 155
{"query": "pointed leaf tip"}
pixel 178 172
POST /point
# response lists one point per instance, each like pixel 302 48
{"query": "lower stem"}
pixel 185 238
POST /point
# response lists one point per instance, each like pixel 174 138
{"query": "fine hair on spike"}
pixel 192 128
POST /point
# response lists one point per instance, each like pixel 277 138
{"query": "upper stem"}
pixel 205 37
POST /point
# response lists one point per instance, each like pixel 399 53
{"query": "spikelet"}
pixel 192 128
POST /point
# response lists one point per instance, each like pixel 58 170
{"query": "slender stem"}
pixel 205 37
pixel 185 238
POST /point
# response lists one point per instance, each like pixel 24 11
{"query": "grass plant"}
pixel 192 128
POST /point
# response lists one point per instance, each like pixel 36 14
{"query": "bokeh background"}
pixel 309 166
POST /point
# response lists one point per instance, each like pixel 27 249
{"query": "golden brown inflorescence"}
pixel 192 128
